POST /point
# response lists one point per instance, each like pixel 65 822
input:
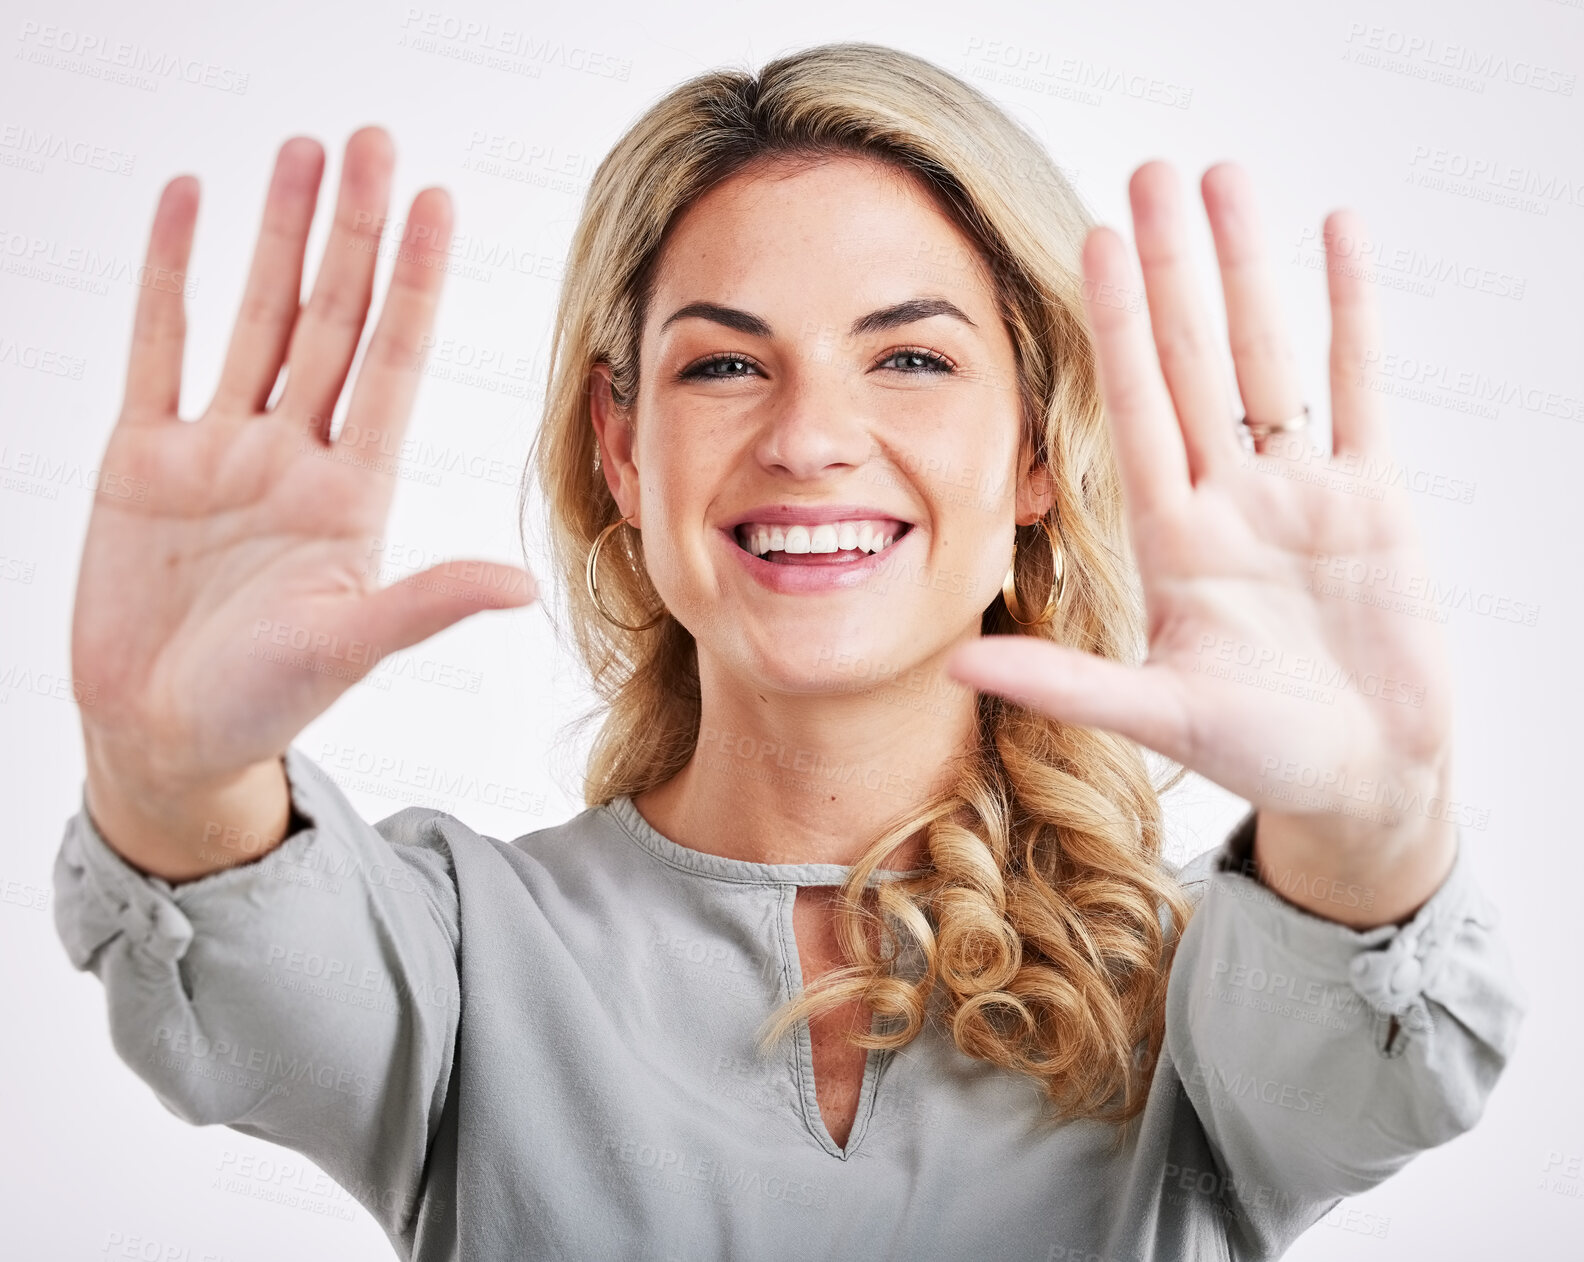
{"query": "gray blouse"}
pixel 546 1049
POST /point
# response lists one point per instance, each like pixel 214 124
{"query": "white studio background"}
pixel 1469 176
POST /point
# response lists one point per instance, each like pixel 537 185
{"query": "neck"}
pixel 813 778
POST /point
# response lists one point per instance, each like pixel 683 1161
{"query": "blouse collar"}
pixel 720 868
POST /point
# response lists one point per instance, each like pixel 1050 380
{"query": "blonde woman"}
pixel 856 454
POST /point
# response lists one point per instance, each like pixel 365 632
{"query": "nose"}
pixel 811 427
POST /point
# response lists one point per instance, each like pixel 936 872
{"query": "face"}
pixel 825 455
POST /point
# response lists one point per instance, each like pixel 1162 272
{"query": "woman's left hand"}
pixel 1289 660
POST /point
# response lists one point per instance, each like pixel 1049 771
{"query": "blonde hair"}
pixel 1045 921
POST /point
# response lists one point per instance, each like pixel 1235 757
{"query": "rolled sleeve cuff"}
pixel 1391 967
pixel 98 894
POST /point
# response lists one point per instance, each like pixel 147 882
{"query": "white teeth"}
pixel 843 536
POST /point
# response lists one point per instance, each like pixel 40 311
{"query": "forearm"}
pixel 182 832
pixel 1361 872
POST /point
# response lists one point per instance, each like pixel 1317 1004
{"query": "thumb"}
pixel 418 606
pixel 1075 687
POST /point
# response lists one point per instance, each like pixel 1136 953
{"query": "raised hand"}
pixel 226 595
pixel 1280 664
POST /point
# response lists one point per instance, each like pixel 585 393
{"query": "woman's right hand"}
pixel 228 589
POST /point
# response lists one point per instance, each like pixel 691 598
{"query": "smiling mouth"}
pixel 827 543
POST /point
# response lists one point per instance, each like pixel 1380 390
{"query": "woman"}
pixel 844 386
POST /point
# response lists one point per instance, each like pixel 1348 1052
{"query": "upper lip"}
pixel 812 515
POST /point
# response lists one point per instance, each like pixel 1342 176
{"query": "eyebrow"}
pixel 885 318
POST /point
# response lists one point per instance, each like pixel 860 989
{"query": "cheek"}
pixel 971 494
pixel 677 457
pixel 975 546
pixel 962 438
pixel 683 467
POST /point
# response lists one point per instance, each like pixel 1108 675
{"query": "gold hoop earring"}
pixel 1058 580
pixel 593 582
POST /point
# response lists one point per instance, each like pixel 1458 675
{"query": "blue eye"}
pixel 923 361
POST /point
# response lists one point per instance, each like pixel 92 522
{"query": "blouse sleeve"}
pixel 1320 1058
pixel 308 997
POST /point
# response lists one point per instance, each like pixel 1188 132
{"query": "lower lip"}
pixel 814 577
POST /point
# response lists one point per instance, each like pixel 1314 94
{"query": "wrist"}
pixel 179 829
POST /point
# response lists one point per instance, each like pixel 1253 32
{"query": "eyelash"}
pixel 937 362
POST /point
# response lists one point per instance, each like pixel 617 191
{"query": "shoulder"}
pixel 1231 855
pixel 586 840
pixel 432 852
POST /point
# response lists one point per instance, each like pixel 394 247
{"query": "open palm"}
pixel 1284 662
pixel 226 595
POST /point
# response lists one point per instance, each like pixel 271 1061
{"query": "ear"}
pixel 613 431
pixel 1035 490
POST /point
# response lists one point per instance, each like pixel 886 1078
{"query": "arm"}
pixel 1319 1057
pixel 309 998
pixel 1391 859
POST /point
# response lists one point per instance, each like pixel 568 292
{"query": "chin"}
pixel 812 660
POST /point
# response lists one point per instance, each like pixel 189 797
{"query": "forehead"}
pixel 846 225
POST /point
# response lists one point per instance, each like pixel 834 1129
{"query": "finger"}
pixel 382 399
pixel 1358 423
pixel 159 325
pixel 1267 376
pixel 1149 443
pixel 1076 687
pixel 271 301
pixel 328 331
pixel 422 604
pixel 1183 336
